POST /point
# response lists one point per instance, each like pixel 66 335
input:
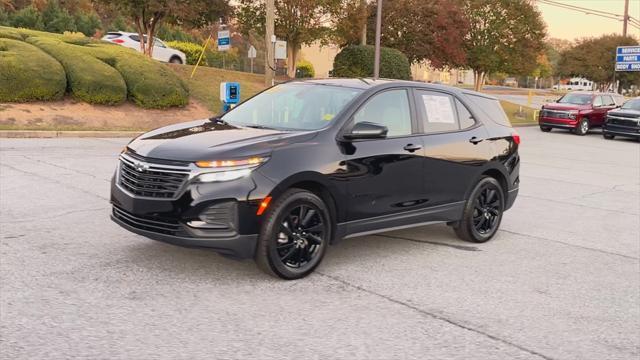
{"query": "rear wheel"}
pixel 482 212
pixel 294 236
pixel 545 128
pixel 583 127
pixel 608 136
pixel 175 60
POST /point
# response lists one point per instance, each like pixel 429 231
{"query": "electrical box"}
pixel 230 93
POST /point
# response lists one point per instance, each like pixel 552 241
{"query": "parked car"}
pixel 624 121
pixel 306 163
pixel 575 84
pixel 510 81
pixel 161 51
pixel 578 111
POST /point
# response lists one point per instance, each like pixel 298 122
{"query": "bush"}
pixel 304 69
pixel 28 74
pixel 87 24
pixel 150 84
pixel 357 61
pixel 4 17
pixel 222 59
pixel 169 32
pixel 28 17
pixel 120 24
pixel 191 50
pixel 56 18
pixel 9 33
pixel 89 79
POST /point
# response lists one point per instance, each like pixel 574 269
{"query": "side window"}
pixel 608 101
pixel 464 116
pixel 389 108
pixel 135 38
pixel 597 101
pixel 438 111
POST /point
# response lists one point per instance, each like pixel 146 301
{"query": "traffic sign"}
pixel 628 58
pixel 281 49
pixel 224 40
pixel 252 52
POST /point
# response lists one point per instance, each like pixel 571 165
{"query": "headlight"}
pixel 573 115
pixel 227 170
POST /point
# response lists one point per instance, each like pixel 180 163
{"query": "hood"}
pixel 207 140
pixel 630 113
pixel 565 106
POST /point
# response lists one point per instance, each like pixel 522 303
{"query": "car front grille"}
pixel 555 114
pixel 623 120
pixel 148 223
pixel 153 180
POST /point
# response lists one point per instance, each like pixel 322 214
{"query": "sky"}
pixel 571 25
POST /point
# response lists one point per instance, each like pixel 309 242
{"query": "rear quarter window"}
pixel 491 108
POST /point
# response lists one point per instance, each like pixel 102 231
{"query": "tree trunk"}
pixel 363 31
pixel 478 80
pixel 292 57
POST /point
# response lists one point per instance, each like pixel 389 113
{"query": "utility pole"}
pixel 376 60
pixel 363 31
pixel 626 18
pixel 268 35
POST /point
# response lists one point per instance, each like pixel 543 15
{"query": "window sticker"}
pixel 439 109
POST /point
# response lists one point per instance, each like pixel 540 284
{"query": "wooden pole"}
pixel 269 54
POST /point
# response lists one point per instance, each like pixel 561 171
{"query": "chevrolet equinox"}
pixel 304 164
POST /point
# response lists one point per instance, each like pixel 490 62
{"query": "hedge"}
pixel 304 69
pixel 150 84
pixel 28 74
pixel 191 50
pixel 357 61
pixel 89 79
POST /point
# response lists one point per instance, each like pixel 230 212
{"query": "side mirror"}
pixel 367 130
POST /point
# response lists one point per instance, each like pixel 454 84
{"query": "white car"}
pixel 161 51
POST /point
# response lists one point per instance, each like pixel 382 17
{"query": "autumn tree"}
pixel 504 36
pixel 423 30
pixel 350 18
pixel 148 15
pixel 298 22
pixel 594 59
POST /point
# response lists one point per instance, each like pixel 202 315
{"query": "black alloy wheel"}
pixel 482 212
pixel 295 235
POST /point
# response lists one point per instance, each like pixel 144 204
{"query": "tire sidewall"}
pixel 469 209
pixel 579 128
pixel 269 232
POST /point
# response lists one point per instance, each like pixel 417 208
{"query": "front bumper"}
pixel 558 123
pixel 627 131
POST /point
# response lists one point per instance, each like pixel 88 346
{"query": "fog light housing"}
pixel 221 216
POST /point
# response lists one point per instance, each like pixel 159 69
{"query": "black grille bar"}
pixel 147 223
pixel 151 180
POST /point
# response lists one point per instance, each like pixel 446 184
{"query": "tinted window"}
pixel 438 111
pixel 134 38
pixel 632 104
pixel 292 106
pixel 577 99
pixel 464 116
pixel 389 108
pixel 113 35
pixel 490 107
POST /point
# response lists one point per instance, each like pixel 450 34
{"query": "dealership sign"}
pixel 224 40
pixel 628 58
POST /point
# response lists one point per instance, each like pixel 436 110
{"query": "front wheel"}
pixel 583 127
pixel 545 128
pixel 294 236
pixel 608 136
pixel 482 212
pixel 176 60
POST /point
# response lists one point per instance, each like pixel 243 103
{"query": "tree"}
pixel 298 22
pixel 149 15
pixel 350 18
pixel 423 30
pixel 594 59
pixel 56 18
pixel 87 23
pixel 28 17
pixel 504 36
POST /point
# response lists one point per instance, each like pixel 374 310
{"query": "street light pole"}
pixel 376 60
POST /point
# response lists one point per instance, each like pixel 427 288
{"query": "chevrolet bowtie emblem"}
pixel 140 167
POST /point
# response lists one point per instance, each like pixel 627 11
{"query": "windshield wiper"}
pixel 253 126
pixel 218 120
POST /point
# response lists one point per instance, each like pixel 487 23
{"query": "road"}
pixel 536 101
pixel 559 281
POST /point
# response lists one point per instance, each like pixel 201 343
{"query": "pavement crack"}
pixel 453 246
pixel 54 181
pixel 64 168
pixel 436 316
pixel 570 244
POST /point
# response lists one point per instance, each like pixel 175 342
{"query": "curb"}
pixel 43 134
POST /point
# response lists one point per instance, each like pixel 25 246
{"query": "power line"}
pixel 580 8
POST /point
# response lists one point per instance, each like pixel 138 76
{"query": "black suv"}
pixel 306 163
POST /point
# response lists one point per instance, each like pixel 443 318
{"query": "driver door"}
pixel 384 176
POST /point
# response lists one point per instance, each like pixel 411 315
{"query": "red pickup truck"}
pixel 578 111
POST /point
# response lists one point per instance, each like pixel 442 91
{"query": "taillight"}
pixel 118 41
pixel 516 138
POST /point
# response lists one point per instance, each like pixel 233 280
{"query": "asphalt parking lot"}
pixel 559 281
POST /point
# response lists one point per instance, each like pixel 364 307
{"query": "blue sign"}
pixel 223 41
pixel 628 58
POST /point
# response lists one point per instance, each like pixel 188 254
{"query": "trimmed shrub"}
pixel 9 33
pixel 28 17
pixel 150 84
pixel 89 79
pixel 28 74
pixel 357 61
pixel 304 69
pixel 191 50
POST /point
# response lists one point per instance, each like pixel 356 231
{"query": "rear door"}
pixel 456 146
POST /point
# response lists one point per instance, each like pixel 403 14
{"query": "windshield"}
pixel 292 106
pixel 632 104
pixel 577 99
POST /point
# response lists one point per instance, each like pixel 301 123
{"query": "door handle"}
pixel 412 147
pixel 475 140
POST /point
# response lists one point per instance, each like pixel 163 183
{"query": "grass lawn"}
pixel 205 84
pixel 520 115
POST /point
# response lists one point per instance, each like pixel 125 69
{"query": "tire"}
pixel 482 212
pixel 545 129
pixel 285 249
pixel 583 127
pixel 608 136
pixel 175 60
